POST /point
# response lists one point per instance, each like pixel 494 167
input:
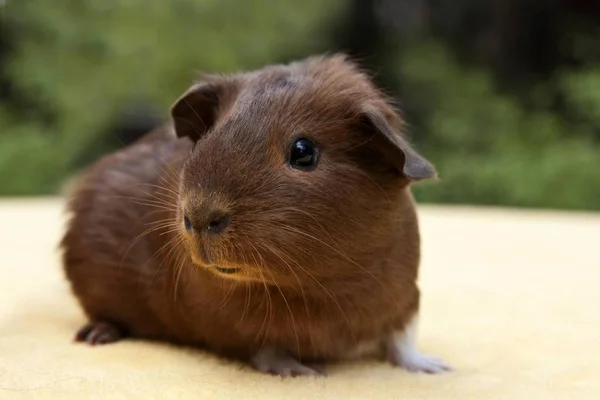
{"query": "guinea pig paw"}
pixel 97 333
pixel 278 362
pixel 402 352
pixel 417 362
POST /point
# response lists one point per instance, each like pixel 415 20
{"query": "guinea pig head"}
pixel 297 174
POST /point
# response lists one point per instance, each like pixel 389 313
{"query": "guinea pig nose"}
pixel 217 223
pixel 187 223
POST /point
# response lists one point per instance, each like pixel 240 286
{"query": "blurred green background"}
pixel 502 96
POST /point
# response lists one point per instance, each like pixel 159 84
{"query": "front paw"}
pixel 275 361
pixel 98 332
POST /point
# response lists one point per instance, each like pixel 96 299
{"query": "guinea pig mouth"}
pixel 227 271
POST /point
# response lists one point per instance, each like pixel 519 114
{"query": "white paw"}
pixel 402 352
pixel 278 362
pixel 417 362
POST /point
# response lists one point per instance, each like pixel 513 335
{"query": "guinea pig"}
pixel 270 221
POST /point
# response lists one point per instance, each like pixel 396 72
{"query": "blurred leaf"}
pixel 86 59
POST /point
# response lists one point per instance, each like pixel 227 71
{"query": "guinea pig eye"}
pixel 303 154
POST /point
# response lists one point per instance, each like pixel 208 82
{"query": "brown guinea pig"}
pixel 279 229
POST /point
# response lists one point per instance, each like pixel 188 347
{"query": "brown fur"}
pixel 327 258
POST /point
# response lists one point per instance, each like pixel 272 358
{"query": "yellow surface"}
pixel 511 298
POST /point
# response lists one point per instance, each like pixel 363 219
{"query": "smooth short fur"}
pixel 325 260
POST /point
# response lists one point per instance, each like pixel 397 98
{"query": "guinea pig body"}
pixel 278 228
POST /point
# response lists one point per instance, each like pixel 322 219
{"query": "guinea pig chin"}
pixel 205 258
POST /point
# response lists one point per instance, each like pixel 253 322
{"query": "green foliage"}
pixel 489 149
pixel 82 61
pixel 85 59
pixel 582 94
pixel 29 162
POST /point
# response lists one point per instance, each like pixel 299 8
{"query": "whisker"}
pixel 148 203
pixel 152 228
pixel 287 304
pixel 172 243
pixel 300 232
pixel 276 253
pixel 269 309
pixel 248 289
pixel 328 293
pixel 178 271
pixel 294 209
pixel 164 189
pixel 229 294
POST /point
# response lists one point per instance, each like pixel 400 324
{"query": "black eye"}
pixel 303 154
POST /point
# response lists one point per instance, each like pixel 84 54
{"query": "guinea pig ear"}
pixel 195 112
pixel 398 149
